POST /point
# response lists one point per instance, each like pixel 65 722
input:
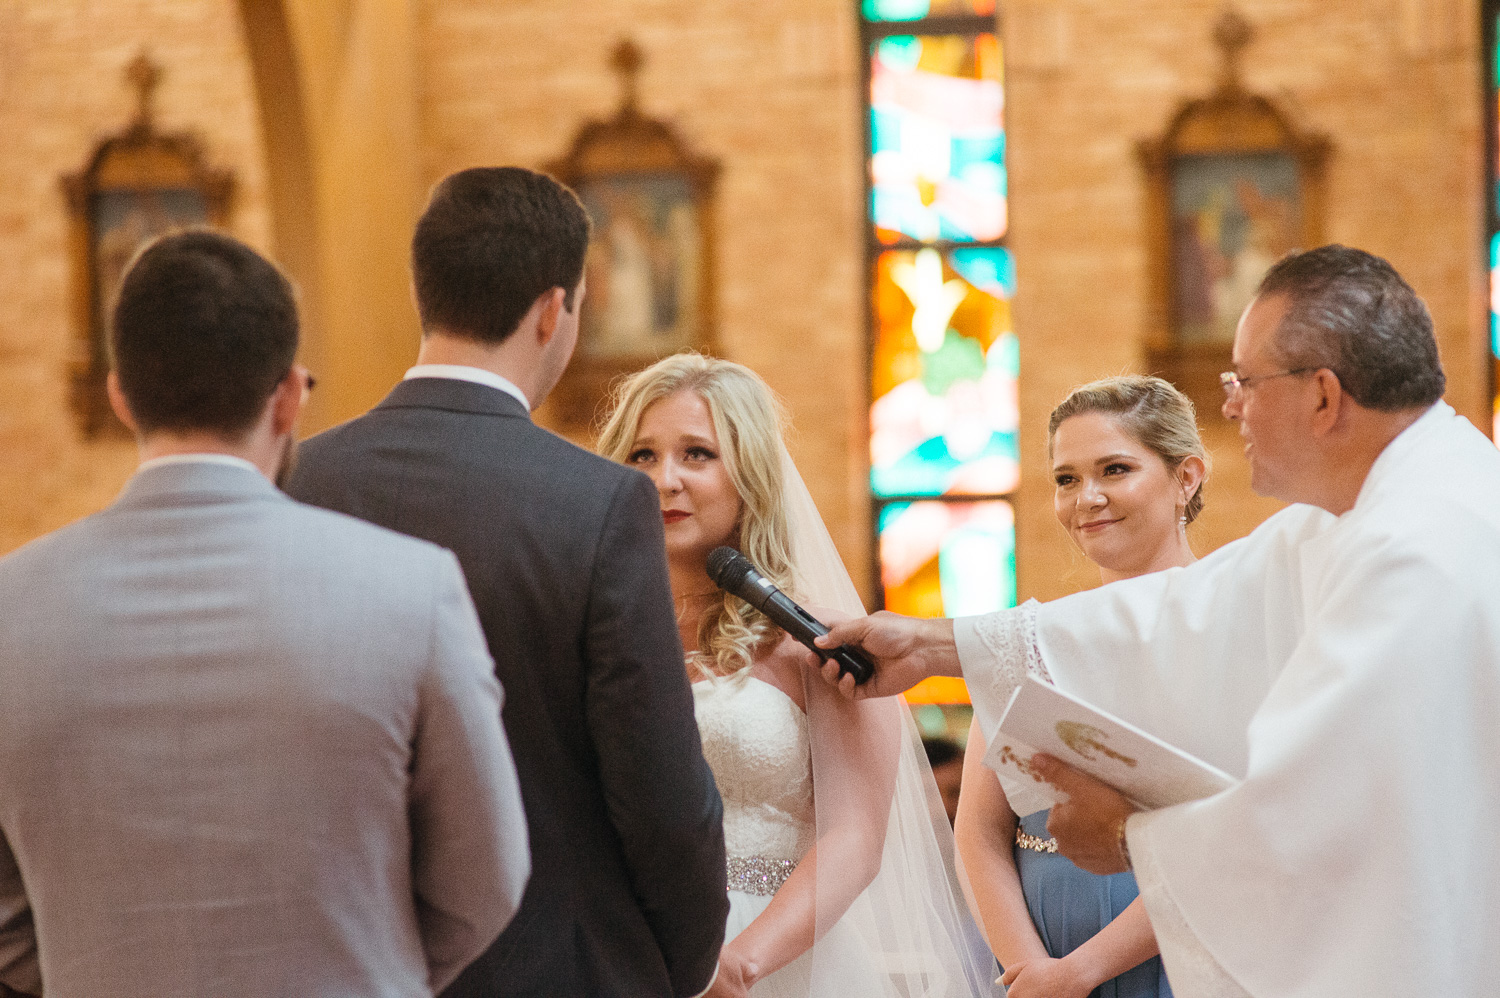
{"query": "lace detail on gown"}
pixel 755 740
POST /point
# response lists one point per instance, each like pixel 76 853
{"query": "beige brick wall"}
pixel 771 89
pixel 61 92
pixel 1393 83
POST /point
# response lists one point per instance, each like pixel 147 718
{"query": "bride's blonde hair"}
pixel 748 419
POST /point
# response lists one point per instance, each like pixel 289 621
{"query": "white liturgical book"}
pixel 1042 718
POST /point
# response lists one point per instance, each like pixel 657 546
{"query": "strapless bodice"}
pixel 755 739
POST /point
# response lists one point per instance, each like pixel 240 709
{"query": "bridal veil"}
pixel 873 790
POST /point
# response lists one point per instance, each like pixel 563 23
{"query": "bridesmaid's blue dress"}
pixel 1068 906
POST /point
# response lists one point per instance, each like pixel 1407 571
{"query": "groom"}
pixel 564 556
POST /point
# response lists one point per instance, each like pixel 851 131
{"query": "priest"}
pixel 1343 660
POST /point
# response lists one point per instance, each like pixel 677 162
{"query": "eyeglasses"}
pixel 307 386
pixel 1232 382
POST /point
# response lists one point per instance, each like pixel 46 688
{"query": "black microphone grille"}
pixel 726 567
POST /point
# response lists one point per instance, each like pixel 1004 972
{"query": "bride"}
pixel 836 839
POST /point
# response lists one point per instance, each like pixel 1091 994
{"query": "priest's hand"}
pixel 1090 825
pixel 905 650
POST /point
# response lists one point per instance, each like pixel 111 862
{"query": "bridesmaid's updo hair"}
pixel 1149 409
pixel 748 420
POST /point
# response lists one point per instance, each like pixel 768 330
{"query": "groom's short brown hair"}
pixel 492 241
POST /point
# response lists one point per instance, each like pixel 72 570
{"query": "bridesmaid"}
pixel 1129 470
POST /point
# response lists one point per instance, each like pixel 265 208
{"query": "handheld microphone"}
pixel 733 573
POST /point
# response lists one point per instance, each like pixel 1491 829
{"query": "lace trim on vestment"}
pixel 1011 637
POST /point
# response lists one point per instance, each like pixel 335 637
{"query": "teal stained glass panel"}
pixel 1495 296
pixel 1495 332
pixel 948 559
pixel 915 10
pixel 937 138
pixel 896 10
pixel 1495 240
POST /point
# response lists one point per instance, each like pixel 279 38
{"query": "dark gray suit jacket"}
pixel 248 749
pixel 564 557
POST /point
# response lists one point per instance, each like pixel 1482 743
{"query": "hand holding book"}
pixel 1146 770
pixel 1092 768
pixel 1089 823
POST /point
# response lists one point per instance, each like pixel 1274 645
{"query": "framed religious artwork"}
pixel 1232 186
pixel 648 271
pixel 136 185
pixel 644 269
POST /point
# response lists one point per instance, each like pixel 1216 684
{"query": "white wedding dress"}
pixel 756 740
pixel 891 928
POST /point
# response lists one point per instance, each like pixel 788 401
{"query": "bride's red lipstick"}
pixel 673 515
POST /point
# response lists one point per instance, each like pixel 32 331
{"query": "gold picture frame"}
pixel 1231 186
pixel 649 274
pixel 135 186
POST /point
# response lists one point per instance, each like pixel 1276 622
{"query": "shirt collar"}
pixel 462 372
pixel 229 460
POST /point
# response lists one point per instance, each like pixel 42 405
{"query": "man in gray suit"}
pixel 247 747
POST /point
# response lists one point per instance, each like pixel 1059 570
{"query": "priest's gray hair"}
pixel 1350 312
pixel 1151 410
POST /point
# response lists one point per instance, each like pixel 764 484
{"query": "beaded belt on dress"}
pixel 1035 843
pixel 758 874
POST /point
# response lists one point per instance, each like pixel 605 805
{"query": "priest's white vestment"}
pixel 1349 669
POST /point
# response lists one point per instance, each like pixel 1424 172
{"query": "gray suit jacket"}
pixel 247 748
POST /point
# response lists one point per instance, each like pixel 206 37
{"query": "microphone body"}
pixel 733 573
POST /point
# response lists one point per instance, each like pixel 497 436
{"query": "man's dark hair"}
pixel 940 751
pixel 492 241
pixel 204 330
pixel 1349 311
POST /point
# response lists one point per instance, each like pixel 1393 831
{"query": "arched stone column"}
pixel 336 82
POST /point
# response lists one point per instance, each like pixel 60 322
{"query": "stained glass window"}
pixel 936 141
pixel 916 10
pixel 943 421
pixel 1492 168
pixel 944 462
pixel 1495 331
pixel 951 559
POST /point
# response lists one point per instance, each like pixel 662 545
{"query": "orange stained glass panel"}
pixel 938 689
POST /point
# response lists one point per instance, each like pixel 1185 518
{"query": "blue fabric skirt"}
pixel 1068 906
